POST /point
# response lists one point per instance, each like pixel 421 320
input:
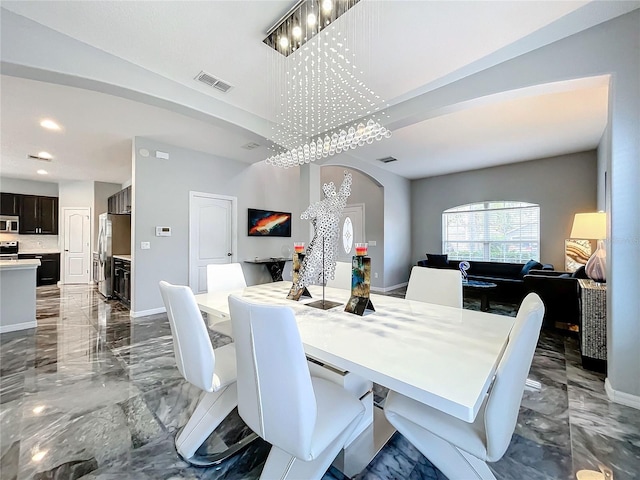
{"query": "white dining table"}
pixel 442 356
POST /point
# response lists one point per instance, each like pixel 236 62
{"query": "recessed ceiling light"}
pixel 49 124
pixel 311 20
pixel 46 155
pixel 42 172
pixel 327 5
pixel 297 31
pixel 284 42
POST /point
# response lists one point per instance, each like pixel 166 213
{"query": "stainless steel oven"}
pixel 9 250
pixel 9 224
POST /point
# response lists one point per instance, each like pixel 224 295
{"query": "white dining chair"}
pixel 342 276
pixel 435 285
pixel 306 419
pixel 223 277
pixel 459 449
pixel 212 371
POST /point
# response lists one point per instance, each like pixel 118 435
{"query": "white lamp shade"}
pixel 590 226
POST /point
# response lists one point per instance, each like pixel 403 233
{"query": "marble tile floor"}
pixel 91 393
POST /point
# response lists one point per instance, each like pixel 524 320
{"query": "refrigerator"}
pixel 114 238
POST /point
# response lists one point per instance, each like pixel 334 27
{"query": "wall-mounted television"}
pixel 267 223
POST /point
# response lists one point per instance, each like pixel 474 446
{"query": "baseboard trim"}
pixel 622 398
pixel 388 289
pixel 146 313
pixel 18 326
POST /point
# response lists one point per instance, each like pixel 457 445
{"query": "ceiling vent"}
pixel 251 146
pixel 387 159
pixel 212 81
pixel 36 157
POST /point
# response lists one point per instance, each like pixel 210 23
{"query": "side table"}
pixel 275 265
pixel 593 325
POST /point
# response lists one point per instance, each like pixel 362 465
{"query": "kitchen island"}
pixel 18 294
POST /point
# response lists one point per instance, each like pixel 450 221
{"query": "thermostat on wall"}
pixel 163 231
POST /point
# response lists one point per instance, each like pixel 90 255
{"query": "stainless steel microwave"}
pixel 9 224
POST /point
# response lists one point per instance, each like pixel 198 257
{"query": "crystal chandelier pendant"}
pixel 321 104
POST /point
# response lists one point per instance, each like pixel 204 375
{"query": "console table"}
pixel 275 265
pixel 593 325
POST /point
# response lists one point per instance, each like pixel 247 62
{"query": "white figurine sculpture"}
pixel 319 264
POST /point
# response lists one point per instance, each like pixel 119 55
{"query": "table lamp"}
pixel 593 226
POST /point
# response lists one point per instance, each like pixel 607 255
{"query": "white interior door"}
pixel 77 240
pixel 351 231
pixel 212 235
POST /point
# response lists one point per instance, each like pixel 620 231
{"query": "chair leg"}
pixel 211 410
pixel 450 460
pixel 283 466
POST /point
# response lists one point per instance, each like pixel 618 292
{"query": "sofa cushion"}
pixel 495 269
pixel 437 260
pixel 528 266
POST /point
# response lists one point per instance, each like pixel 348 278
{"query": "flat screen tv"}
pixel 267 223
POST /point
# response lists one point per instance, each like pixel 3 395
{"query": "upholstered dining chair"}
pixel 224 277
pixel 435 285
pixel 342 276
pixel 307 420
pixel 459 449
pixel 212 371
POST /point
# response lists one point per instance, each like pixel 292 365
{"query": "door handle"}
pixel 229 254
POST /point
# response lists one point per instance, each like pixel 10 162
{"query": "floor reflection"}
pixel 92 393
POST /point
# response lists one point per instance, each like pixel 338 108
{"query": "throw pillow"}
pixel 436 260
pixel 530 265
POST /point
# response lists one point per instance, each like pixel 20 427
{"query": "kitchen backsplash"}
pixel 33 243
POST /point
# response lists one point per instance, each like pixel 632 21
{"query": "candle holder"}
pixel 298 257
pixel 360 302
pixel 298 247
pixel 362 249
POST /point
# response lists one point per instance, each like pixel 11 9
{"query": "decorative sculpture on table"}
pixel 464 266
pixel 319 263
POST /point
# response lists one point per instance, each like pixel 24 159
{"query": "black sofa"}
pixel 509 277
pixel 560 294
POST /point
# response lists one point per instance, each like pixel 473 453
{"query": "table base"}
pixel 323 304
pixel 358 454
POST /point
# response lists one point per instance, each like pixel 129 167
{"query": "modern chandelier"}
pixel 321 105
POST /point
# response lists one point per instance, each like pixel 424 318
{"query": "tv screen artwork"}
pixel 267 223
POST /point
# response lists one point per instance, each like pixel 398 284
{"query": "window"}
pixel 492 231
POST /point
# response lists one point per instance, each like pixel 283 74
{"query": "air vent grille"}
pixel 251 146
pixel 212 81
pixel 387 159
pixel 36 157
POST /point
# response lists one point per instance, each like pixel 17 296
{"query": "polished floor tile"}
pixel 94 394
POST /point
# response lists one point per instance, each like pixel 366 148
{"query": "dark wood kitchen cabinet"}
pixel 122 280
pixel 9 204
pixel 48 273
pixel 38 215
pixel 120 203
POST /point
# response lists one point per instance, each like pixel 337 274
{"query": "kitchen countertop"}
pixel 123 257
pixel 39 251
pixel 19 264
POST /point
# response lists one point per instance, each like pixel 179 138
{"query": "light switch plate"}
pixel 145 245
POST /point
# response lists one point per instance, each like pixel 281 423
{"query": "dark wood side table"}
pixel 275 265
pixel 593 325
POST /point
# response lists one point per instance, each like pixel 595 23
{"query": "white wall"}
pixel 562 186
pixel 609 48
pixel 28 187
pixel 397 218
pixel 371 194
pixel 161 197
